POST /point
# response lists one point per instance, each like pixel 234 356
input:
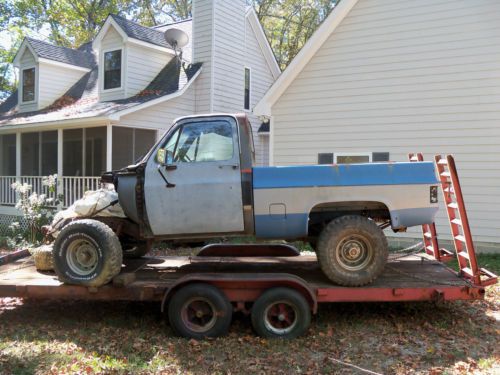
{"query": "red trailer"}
pixel 201 292
pixel 276 285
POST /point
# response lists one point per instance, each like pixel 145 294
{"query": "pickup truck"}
pixel 199 182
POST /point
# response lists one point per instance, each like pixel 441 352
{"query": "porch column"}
pixel 59 187
pixel 18 154
pixel 109 147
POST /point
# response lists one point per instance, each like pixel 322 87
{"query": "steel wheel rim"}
pixel 199 314
pixel 354 252
pixel 82 257
pixel 281 317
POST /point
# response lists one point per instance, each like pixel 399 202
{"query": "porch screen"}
pixel 39 153
pixel 8 155
pixel 130 144
pixel 84 151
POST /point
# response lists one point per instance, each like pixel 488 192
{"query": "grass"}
pixel 134 338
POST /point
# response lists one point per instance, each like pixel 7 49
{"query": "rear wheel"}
pixel 87 252
pixel 352 250
pixel 281 313
pixel 199 311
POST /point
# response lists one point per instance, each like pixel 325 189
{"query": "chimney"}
pixel 219 43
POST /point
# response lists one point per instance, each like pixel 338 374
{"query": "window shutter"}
pixel 379 157
pixel 325 158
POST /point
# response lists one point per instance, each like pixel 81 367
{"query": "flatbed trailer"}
pixel 243 281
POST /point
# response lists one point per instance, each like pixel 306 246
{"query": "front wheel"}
pixel 352 250
pixel 87 252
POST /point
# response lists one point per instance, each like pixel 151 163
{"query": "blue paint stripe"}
pixel 344 175
pixel 281 226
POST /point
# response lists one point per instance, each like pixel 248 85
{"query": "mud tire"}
pixel 96 263
pixel 352 251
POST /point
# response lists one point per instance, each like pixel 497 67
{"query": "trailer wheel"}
pixel 198 311
pixel 281 313
pixel 87 252
pixel 352 250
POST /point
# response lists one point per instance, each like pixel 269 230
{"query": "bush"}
pixel 37 209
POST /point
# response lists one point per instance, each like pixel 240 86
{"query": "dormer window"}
pixel 112 69
pixel 28 85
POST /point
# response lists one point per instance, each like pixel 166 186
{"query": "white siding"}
pixel 54 81
pixel 229 55
pixel 261 80
pixel 143 65
pixel 203 12
pixel 401 76
pixel 28 61
pixel 162 115
pixel 112 41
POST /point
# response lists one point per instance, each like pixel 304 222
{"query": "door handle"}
pixel 234 166
pixel 170 167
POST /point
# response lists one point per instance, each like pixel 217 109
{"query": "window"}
pixel 325 158
pixel 28 85
pixel 353 158
pixel 130 145
pixel 202 142
pixel 112 69
pixel 247 88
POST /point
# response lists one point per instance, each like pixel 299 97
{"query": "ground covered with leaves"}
pixel 109 338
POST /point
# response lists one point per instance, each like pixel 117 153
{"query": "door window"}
pixel 202 142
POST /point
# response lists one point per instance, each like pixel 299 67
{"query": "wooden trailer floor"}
pixel 404 279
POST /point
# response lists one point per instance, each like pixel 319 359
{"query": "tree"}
pixel 290 23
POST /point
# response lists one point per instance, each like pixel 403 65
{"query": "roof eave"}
pixel 68 123
pixel 264 106
pixel 117 115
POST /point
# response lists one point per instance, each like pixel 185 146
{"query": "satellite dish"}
pixel 176 38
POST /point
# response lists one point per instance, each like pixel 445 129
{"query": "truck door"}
pixel 197 189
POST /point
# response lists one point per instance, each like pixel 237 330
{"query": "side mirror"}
pixel 164 157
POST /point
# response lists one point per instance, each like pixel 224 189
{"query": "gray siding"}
pixel 54 81
pixel 203 12
pixel 162 115
pixel 261 81
pixel 143 65
pixel 232 45
pixel 112 41
pixel 399 76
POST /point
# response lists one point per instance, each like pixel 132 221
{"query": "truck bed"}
pixel 413 278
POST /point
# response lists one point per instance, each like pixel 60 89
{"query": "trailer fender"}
pixel 245 287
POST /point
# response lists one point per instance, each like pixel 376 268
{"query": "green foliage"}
pixel 288 23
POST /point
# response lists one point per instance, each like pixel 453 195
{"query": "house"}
pixel 381 78
pixel 80 112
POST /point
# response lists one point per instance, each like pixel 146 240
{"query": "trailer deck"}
pixel 412 278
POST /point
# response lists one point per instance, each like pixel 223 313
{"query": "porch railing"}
pixel 71 188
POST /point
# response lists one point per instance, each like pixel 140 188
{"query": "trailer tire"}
pixel 87 252
pixel 281 313
pixel 352 251
pixel 199 311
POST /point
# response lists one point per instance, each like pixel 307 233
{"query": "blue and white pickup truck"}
pixel 198 182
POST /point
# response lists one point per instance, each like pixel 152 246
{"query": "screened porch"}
pixel 77 156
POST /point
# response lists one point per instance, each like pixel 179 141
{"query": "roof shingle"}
pixel 62 54
pixel 140 32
